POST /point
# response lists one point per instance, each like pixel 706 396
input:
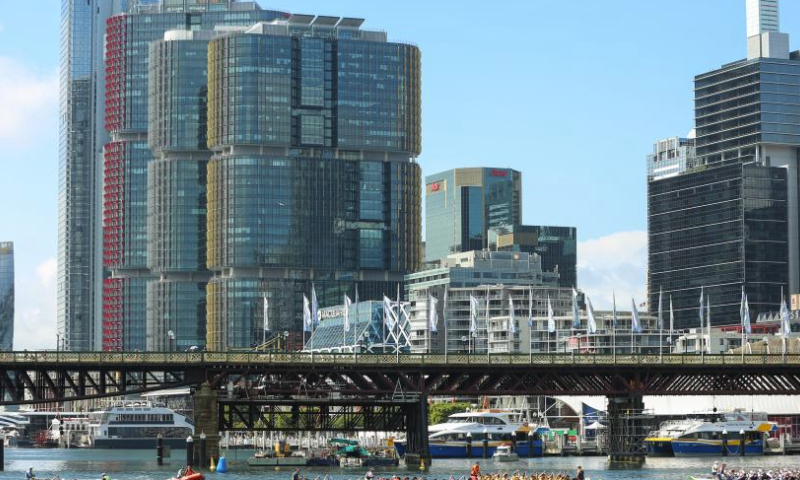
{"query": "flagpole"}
pixel 444 321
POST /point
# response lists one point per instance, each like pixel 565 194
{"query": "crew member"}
pixel 579 475
pixel 29 475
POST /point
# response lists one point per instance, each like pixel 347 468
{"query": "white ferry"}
pixel 704 434
pixel 466 430
pixel 137 425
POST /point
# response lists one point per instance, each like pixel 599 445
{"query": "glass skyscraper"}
pixel 81 139
pixel 157 186
pixel 721 229
pixel 6 296
pixel 315 128
pixel 730 220
pixel 461 205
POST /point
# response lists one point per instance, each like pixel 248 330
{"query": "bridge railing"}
pixel 299 358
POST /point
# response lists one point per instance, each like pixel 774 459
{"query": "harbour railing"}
pixel 408 359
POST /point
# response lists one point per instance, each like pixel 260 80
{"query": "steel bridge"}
pixel 377 392
pixel 35 377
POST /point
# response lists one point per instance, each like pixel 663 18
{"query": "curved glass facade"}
pixel 177 95
pixel 155 98
pixel 315 132
pixel 176 215
pixel 250 90
pixel 179 307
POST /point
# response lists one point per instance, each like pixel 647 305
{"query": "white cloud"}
pixel 35 319
pixel 614 264
pixel 28 102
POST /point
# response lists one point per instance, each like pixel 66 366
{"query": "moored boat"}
pixel 465 434
pixel 504 454
pixel 732 431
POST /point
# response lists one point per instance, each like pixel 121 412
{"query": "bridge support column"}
pixel 206 422
pixel 417 449
pixel 627 428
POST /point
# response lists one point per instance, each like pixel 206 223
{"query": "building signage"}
pixel 437 187
pixel 333 312
pixel 499 173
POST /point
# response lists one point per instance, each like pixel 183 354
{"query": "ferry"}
pixel 704 435
pixel 660 442
pixel 136 425
pixel 462 436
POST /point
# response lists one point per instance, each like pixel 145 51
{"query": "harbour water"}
pixel 141 465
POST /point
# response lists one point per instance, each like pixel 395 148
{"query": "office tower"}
pixel 6 296
pixel 127 160
pixel 81 140
pixel 671 156
pixel 315 128
pixel 556 246
pixel 730 221
pixel 462 204
pixel 721 229
pixel 176 199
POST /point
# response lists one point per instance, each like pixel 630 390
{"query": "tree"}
pixel 438 412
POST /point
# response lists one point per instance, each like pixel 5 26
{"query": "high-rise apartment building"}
pixel 557 247
pixel 169 286
pixel 6 296
pixel 315 128
pixel 81 140
pixel 730 221
pixel 462 204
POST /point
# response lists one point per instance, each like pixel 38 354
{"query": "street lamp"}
pixel 286 341
pixel 171 339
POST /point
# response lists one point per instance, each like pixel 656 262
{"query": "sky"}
pixel 572 94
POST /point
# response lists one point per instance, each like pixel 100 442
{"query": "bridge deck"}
pixel 65 359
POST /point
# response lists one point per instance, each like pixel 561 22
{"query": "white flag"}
pixel 702 305
pixel 590 316
pixel 473 314
pixel 786 325
pixel 576 316
pixel 306 315
pixel 530 308
pixel 314 307
pixel 660 311
pixel 347 304
pixel 511 327
pixel 636 326
pixel 387 313
pixel 614 319
pixel 266 314
pixel 433 315
pixel 747 327
pixel 551 320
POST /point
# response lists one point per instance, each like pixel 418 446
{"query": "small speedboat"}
pixel 503 453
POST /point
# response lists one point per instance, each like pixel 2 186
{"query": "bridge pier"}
pixel 417 449
pixel 627 428
pixel 206 423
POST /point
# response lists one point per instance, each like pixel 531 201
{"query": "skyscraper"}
pixel 730 220
pixel 6 296
pixel 461 205
pixel 175 284
pixel 315 128
pixel 81 140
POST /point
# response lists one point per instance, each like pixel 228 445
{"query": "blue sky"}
pixel 571 93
